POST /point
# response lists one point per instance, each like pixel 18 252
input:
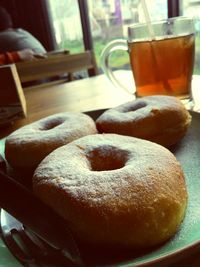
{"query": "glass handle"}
pixel 115 45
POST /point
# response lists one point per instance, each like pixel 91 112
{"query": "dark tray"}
pixel 187 240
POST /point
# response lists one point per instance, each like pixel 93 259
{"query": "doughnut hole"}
pixel 107 158
pixel 48 125
pixel 134 106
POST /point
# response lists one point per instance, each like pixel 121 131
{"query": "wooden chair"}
pixel 12 99
pixel 56 64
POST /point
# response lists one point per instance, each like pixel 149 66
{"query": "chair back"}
pixel 56 64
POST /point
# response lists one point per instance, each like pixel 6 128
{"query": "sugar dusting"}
pixel 137 186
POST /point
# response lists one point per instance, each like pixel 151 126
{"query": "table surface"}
pixel 84 95
pixel 81 95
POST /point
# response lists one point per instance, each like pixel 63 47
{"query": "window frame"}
pixel 173 7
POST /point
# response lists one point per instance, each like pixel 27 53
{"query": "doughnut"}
pixel 160 119
pixel 27 146
pixel 114 191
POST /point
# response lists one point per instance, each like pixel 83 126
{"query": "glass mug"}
pixel 162 63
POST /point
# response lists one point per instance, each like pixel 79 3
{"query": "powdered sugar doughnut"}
pixel 27 146
pixel 161 119
pixel 114 190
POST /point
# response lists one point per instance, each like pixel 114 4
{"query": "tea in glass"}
pixel 163 66
pixel 162 59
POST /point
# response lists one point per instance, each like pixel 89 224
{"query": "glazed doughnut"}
pixel 161 119
pixel 114 190
pixel 27 146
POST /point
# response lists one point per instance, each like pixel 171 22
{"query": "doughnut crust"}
pixel 27 146
pixel 160 119
pixel 114 190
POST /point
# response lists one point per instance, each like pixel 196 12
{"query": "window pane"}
pixel 67 24
pixel 109 20
pixel 192 9
pixel 157 9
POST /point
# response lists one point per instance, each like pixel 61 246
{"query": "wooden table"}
pixel 81 95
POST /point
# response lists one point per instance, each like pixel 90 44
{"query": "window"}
pixel 67 24
pixel 110 19
pixel 192 8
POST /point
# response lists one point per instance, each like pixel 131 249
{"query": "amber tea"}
pixel 163 66
pixel 161 57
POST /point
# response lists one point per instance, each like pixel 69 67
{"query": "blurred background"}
pixel 109 20
pixel 79 25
